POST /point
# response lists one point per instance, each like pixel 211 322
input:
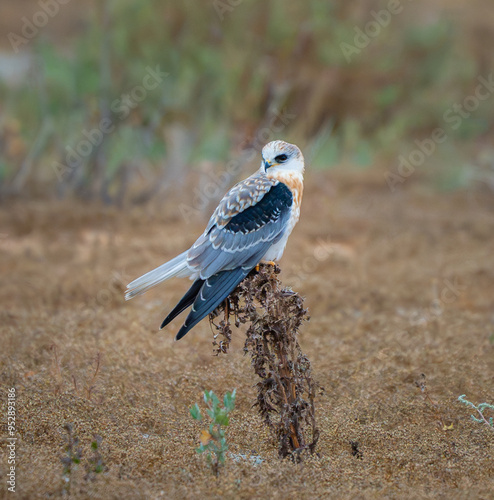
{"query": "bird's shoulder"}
pixel 241 197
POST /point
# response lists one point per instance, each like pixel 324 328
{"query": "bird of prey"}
pixel 251 223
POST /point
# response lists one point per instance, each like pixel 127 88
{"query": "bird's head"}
pixel 280 156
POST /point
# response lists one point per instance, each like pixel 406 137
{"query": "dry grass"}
pixel 376 270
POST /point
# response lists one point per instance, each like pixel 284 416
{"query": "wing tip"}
pixel 182 332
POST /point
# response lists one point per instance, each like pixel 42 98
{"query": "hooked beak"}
pixel 267 164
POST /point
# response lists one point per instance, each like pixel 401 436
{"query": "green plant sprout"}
pixel 72 457
pixel 213 440
pixel 95 464
pixel 480 409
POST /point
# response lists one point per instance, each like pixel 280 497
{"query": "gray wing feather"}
pixel 230 250
pixel 251 218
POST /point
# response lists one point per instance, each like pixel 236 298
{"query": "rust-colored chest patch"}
pixel 294 181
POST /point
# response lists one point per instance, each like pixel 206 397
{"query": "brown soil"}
pixel 398 285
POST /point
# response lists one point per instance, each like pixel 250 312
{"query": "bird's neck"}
pixel 287 177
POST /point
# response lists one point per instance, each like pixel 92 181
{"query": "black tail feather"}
pixel 213 292
pixel 186 301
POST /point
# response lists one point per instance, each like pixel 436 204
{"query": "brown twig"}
pixel 58 371
pixel 90 385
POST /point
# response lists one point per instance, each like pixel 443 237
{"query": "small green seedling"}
pixel 95 465
pixel 213 440
pixel 72 457
pixel 480 409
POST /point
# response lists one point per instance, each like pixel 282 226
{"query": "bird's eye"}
pixel 281 158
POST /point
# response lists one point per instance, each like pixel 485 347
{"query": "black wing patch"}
pixel 278 199
pixel 213 292
pixel 186 301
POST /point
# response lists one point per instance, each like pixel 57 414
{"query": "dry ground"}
pixel 398 285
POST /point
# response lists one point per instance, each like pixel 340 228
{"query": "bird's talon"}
pixel 268 263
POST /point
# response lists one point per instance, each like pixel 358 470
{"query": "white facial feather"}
pixel 294 159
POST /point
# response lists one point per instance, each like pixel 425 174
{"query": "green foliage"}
pixel 95 464
pixel 73 457
pixel 213 440
pixel 73 452
pixel 480 409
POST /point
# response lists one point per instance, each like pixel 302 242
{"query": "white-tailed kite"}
pixel 251 223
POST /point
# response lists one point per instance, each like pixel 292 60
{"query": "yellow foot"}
pixel 268 263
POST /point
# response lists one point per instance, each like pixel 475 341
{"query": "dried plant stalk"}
pixel 286 390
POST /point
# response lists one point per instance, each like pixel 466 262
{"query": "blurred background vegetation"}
pixel 232 68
